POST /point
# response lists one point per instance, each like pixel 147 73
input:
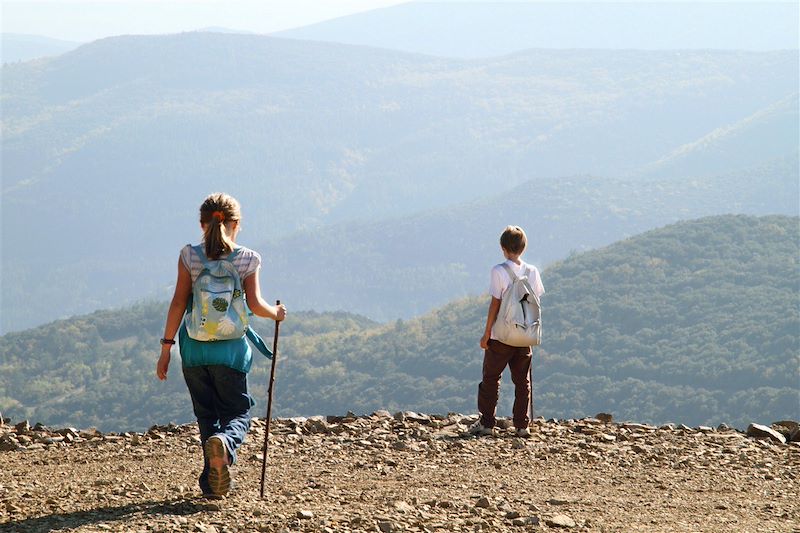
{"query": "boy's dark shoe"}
pixel 524 433
pixel 219 477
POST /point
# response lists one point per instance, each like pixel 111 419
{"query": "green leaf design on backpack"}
pixel 220 304
pixel 236 293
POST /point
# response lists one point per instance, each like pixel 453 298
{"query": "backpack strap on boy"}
pixel 510 272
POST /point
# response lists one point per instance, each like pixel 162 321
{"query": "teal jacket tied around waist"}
pixel 234 353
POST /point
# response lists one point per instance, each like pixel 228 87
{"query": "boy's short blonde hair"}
pixel 513 240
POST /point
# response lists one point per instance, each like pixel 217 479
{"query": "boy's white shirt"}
pixel 500 280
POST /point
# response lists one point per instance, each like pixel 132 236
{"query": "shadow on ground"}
pixel 107 515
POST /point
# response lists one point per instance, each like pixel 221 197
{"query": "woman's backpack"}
pixel 217 310
pixel 519 321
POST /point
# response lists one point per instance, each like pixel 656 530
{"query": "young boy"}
pixel 497 355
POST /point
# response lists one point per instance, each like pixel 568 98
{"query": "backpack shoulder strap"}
pixel 233 254
pixel 201 254
pixel 510 272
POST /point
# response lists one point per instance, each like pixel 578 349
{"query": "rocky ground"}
pixel 407 472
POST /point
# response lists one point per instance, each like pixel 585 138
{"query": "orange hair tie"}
pixel 219 215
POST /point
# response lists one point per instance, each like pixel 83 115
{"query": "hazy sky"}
pixel 88 20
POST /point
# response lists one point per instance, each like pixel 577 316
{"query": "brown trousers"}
pixel 495 359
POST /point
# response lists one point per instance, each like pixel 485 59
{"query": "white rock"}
pixel 764 432
pixel 560 520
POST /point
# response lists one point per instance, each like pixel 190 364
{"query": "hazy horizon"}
pixel 86 21
pixel 68 20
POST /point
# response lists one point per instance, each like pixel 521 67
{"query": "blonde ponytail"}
pixel 217 210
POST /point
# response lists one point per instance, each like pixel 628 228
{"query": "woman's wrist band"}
pixel 167 341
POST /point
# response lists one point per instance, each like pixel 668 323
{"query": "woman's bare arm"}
pixel 177 307
pixel 256 303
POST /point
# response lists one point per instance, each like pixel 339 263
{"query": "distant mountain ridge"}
pixel 695 323
pixel 431 258
pixel 127 135
pixel 757 133
pixel 21 47
pixel 486 29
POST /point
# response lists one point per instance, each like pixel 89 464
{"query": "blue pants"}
pixel 222 407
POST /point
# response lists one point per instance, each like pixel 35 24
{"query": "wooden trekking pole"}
pixel 269 402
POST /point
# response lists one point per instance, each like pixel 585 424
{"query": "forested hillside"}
pixel 109 149
pixel 99 369
pixel 696 323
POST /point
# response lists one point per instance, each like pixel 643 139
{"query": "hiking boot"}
pixel 523 433
pixel 219 478
pixel 208 495
pixel 479 430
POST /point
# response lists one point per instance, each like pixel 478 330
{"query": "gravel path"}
pixel 408 472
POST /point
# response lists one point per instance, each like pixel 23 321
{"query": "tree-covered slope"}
pixel 99 369
pixel 696 322
pixel 108 150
